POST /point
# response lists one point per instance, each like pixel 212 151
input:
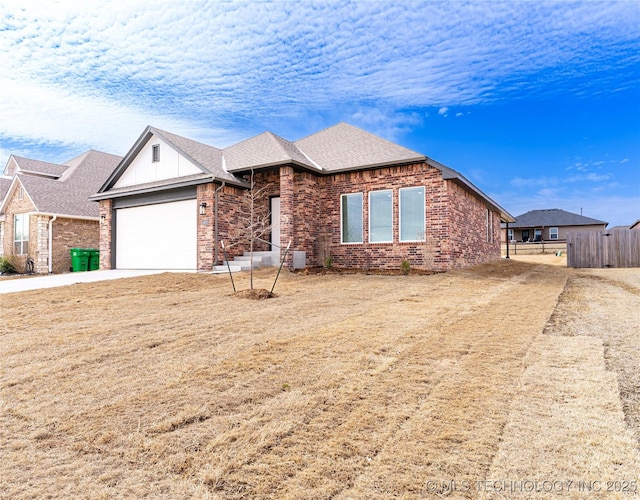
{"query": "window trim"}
pixel 552 233
pixel 379 191
pixel 424 218
pixel 343 197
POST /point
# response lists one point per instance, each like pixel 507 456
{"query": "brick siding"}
pixel 456 220
pixel 67 234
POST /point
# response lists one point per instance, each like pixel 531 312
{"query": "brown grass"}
pixel 348 386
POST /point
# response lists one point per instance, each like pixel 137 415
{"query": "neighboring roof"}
pixel 69 195
pixel 553 217
pixel 36 167
pixel 618 228
pixel 5 182
pixel 635 225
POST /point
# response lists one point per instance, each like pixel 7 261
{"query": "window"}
pixel 412 214
pixel 537 235
pixel 489 225
pixel 510 235
pixel 155 153
pixel 21 234
pixel 351 216
pixel 381 216
pixel 553 233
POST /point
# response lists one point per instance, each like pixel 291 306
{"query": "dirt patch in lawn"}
pixel 346 386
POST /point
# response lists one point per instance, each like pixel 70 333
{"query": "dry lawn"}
pixel 342 386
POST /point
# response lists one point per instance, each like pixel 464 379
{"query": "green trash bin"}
pixel 94 259
pixel 79 260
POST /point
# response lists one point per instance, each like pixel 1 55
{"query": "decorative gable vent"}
pixel 155 153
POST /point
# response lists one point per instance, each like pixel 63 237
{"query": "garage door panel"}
pixel 160 236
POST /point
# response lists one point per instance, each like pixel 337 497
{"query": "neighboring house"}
pixel 45 209
pixel 341 193
pixel 548 225
pixel 635 225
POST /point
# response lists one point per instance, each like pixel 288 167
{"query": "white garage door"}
pixel 162 236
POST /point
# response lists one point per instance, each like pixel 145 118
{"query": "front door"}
pixel 275 223
pixel 525 235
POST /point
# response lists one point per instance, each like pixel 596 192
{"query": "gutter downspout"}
pixel 215 222
pixel 51 243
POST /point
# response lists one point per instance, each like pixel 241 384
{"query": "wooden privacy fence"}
pixel 619 248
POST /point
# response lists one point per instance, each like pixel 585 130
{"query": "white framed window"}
pixel 553 233
pixel 412 219
pixel 21 234
pixel 351 218
pixel 381 216
pixel 155 153
pixel 510 235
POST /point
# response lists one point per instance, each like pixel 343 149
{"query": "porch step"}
pixel 225 269
pixel 258 260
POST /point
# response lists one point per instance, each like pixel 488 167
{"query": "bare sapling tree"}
pixel 253 222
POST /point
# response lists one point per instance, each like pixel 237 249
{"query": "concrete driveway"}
pixel 11 285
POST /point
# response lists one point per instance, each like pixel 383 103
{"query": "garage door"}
pixel 160 236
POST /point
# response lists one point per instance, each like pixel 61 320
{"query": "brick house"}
pixel 550 224
pixel 341 193
pixel 45 209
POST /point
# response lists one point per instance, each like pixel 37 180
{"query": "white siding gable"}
pixel 143 169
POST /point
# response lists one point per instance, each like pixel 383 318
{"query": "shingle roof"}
pixel 39 167
pixel 552 217
pixel 207 157
pixel 263 150
pixel 5 182
pixel 71 195
pixel 345 147
pixel 340 148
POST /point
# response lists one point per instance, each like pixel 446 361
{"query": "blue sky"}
pixel 538 103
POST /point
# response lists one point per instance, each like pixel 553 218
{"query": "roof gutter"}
pixel 65 216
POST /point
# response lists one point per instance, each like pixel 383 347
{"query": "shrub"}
pixel 8 265
pixel 405 266
pixel 328 262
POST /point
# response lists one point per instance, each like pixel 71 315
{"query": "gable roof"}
pixel 553 217
pixel 69 194
pixel 37 167
pixel 340 148
pixel 264 150
pixel 207 158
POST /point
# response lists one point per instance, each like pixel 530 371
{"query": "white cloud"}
pixel 220 63
pixel 443 111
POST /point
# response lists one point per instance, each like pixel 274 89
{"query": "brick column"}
pixel 106 213
pixel 41 260
pixel 286 213
pixel 206 227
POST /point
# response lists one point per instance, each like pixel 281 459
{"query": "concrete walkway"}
pixel 11 285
